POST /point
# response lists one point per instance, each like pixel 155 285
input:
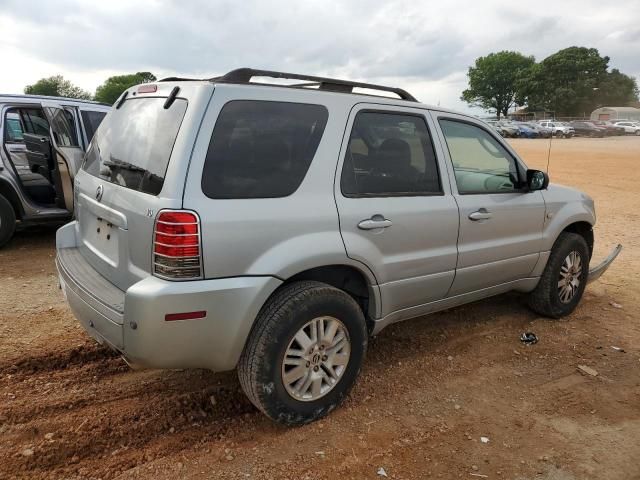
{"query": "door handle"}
pixel 482 214
pixel 377 221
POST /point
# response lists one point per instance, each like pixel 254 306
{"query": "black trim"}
pixel 521 188
pixel 122 99
pixel 244 75
pixel 395 194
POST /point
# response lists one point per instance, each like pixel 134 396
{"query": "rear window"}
pixel 261 149
pixel 132 145
pixel 92 120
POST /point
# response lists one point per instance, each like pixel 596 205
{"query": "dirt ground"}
pixel 430 389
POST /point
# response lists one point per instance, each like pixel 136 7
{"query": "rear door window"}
pixel 133 144
pixel 389 154
pixel 13 128
pixel 261 149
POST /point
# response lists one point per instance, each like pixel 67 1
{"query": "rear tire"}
pixel 7 221
pixel 279 361
pixel 564 278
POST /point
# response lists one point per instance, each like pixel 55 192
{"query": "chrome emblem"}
pixel 149 212
pixel 99 192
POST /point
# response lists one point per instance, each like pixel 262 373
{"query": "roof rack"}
pixel 244 75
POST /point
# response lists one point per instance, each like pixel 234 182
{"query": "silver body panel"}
pixel 431 257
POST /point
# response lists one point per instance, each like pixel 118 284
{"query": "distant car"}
pixel 543 132
pixel 629 126
pixel 558 129
pixel 610 128
pixel 587 129
pixel 501 131
pixel 504 128
pixel 526 131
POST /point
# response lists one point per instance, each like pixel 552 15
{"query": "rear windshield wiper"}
pixel 114 162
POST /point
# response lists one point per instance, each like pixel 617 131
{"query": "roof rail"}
pixel 244 75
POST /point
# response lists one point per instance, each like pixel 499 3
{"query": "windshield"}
pixel 133 144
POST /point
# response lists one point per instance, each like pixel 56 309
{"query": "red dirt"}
pixel 429 390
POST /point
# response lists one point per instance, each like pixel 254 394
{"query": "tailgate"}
pixel 134 167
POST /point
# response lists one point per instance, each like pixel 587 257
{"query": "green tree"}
pixel 56 86
pixel 617 89
pixel 113 87
pixel 493 80
pixel 566 82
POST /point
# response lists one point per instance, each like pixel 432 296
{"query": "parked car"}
pixel 629 127
pixel 525 130
pixel 611 129
pixel 542 132
pixel 227 224
pixel 586 129
pixel 43 140
pixel 501 131
pixel 508 129
pixel 558 129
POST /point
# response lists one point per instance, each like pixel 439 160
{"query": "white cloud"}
pixel 424 47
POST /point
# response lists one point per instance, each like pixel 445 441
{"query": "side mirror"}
pixel 537 180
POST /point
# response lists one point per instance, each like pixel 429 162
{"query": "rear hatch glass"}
pixel 132 146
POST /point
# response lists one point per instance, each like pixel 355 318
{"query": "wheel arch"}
pixel 8 192
pixel 348 278
pixel 585 230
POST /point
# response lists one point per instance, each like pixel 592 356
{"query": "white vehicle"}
pixel 559 129
pixel 629 126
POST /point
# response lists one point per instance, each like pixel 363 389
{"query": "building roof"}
pixel 619 109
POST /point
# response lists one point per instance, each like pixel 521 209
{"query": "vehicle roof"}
pixel 12 97
pixel 352 98
pixel 336 88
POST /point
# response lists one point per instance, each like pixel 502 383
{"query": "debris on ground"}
pixel 588 370
pixel 528 338
pixel 615 305
pixel 381 472
pixel 618 349
pixel 484 439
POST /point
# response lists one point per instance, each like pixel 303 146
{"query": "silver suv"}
pixel 228 224
pixel 43 141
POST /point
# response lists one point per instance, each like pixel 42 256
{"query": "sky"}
pixel 425 47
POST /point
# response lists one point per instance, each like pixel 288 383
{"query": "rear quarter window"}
pixel 261 149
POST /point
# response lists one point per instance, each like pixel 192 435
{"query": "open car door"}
pixel 58 156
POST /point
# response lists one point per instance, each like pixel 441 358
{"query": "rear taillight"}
pixel 177 253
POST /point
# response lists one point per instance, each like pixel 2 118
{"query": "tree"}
pixel 493 81
pixel 56 86
pixel 566 82
pixel 617 89
pixel 113 87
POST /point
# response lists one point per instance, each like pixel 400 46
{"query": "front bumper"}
pixel 597 271
pixel 136 326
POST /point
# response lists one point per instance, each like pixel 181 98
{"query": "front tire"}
pixel 564 278
pixel 7 221
pixel 304 352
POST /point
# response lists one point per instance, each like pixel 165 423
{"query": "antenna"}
pixel 549 151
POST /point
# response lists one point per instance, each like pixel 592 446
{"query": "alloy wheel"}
pixel 569 279
pixel 316 359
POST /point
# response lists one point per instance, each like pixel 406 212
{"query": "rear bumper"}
pixel 139 331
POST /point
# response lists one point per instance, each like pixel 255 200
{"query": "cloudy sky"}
pixel 422 46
